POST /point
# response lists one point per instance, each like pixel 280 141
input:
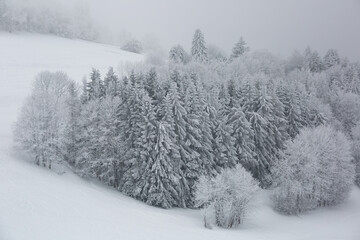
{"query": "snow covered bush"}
pixel 228 198
pixel 315 171
pixel 133 46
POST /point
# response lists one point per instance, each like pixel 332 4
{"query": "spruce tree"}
pixel 243 137
pixel 72 131
pixel 88 148
pixel 198 49
pixel 331 58
pixel 292 111
pixel 95 86
pixel 178 55
pixel 223 144
pixel 186 154
pixel 107 166
pixel 132 163
pixel 111 82
pixel 162 186
pixel 239 49
pixel 268 139
pixel 152 87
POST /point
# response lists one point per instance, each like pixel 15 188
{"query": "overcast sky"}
pixel 277 25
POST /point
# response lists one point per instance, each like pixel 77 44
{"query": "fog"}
pixel 278 25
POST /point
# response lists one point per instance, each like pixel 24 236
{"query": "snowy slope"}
pixel 38 204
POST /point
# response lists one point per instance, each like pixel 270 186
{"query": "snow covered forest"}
pixel 206 130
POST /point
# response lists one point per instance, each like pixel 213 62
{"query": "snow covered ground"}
pixel 38 204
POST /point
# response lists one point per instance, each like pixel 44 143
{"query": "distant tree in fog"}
pixel 239 49
pixel 198 49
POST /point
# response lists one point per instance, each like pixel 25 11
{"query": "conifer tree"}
pixel 292 111
pixel 198 49
pixel 164 182
pixel 72 131
pixel 186 154
pixel 107 166
pixel 132 163
pixel 88 149
pixel 232 90
pixel 268 138
pixel 243 137
pixel 223 144
pixel 95 87
pixel 162 186
pixel 111 82
pixel 239 49
pixel 152 87
pixel 331 58
pixel 178 55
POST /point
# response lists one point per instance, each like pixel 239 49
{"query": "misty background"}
pixel 278 25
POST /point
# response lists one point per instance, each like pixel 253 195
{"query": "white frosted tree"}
pixel 42 125
pixel 228 198
pixel 316 170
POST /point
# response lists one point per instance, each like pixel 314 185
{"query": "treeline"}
pixel 139 133
pixel 154 132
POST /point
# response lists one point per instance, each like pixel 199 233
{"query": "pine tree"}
pixel 315 62
pixel 247 97
pixel 186 154
pixel 243 136
pixel 205 124
pixel 331 58
pixel 178 55
pixel 72 131
pixel 111 83
pixel 95 87
pixel 84 97
pixel 152 87
pixel 147 149
pixel 107 166
pixel 163 186
pixel 223 144
pixel 239 49
pixel 292 111
pixel 132 160
pixel 268 140
pixel 232 90
pixel 88 149
pixel 199 50
pixel 224 101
